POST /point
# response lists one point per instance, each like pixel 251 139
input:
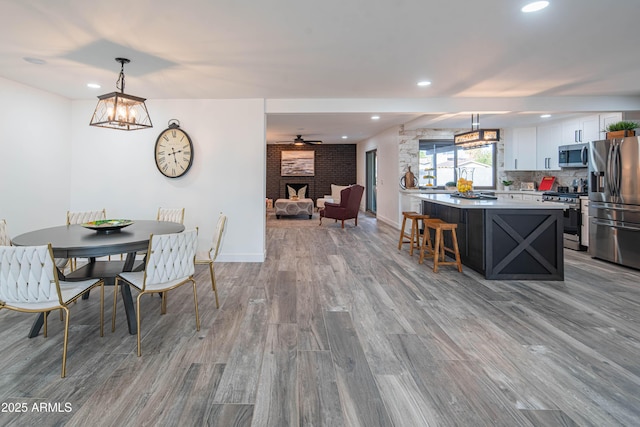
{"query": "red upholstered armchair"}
pixel 348 208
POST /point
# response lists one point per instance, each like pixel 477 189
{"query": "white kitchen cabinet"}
pixel 590 127
pixel 606 119
pixel 570 131
pixel 584 228
pixel 532 197
pixel 520 149
pixel 548 138
pixel 408 202
pixel 583 129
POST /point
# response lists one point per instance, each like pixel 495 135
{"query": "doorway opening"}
pixel 372 179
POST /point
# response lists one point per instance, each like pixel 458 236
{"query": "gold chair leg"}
pixel 213 283
pixel 138 322
pixel 195 302
pixel 46 314
pixel 64 345
pixel 163 306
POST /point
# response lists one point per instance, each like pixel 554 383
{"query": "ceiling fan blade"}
pixel 312 141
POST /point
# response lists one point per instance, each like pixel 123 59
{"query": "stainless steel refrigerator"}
pixel 614 200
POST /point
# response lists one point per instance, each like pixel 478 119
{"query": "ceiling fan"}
pixel 299 140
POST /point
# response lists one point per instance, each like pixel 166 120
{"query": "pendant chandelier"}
pixel 476 137
pixel 117 110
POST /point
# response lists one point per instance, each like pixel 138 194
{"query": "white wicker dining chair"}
pixel 170 264
pixel 171 215
pixel 81 218
pixel 86 216
pixel 210 256
pixel 4 236
pixel 29 283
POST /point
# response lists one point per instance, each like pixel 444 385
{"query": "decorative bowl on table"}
pixel 108 225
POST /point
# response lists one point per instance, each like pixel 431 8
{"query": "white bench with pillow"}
pixel 334 197
pixel 296 204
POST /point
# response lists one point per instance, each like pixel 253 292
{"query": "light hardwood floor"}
pixel 339 328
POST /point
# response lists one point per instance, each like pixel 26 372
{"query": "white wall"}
pixel 386 144
pixel 35 159
pixel 53 161
pixel 116 170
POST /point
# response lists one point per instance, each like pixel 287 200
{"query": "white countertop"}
pixel 447 200
pixel 416 191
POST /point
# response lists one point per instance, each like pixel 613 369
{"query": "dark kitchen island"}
pixel 504 239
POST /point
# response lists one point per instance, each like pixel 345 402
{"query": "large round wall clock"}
pixel 174 151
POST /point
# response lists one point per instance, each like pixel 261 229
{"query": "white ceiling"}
pixel 332 49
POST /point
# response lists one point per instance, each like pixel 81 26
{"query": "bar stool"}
pixel 415 230
pixel 414 238
pixel 405 216
pixel 426 245
pixel 439 248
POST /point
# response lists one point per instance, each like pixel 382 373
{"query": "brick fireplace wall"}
pixel 334 164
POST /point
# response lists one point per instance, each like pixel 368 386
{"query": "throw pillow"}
pixel 292 192
pixel 335 192
pixel 302 192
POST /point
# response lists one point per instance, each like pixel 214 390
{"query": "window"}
pixel 442 162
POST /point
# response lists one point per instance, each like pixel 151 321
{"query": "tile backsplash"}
pixel 564 177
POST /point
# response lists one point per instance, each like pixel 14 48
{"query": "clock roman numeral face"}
pixel 173 152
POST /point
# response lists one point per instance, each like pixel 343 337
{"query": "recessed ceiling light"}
pixel 424 83
pixel 36 61
pixel 344 137
pixel 375 117
pixel 94 85
pixel 535 6
pixel 545 116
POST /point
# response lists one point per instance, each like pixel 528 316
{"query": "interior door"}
pixel 372 179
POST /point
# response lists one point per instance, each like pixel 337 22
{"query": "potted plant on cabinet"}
pixel 621 129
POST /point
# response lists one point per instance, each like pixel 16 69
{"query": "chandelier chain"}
pixel 120 81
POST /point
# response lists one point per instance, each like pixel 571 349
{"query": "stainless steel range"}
pixel 572 216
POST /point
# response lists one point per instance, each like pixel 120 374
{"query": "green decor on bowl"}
pixel 506 183
pixel 107 226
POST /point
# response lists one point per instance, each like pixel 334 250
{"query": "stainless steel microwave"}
pixel 573 156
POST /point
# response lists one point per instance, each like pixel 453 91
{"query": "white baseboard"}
pixel 241 257
pixel 388 221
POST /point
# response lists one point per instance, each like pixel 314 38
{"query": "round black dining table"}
pixel 76 241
